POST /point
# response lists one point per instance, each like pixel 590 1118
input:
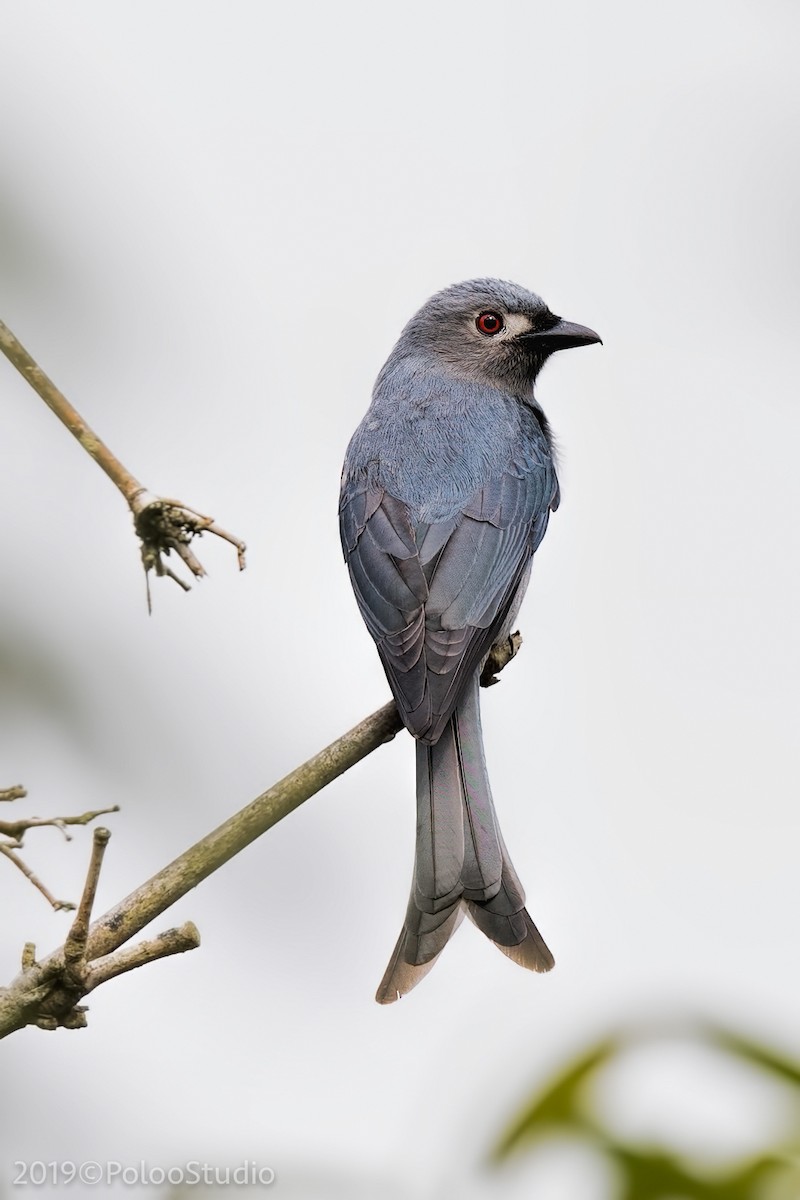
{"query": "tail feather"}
pixel 440 826
pixel 482 865
pixel 417 949
pixel 515 935
pixel 461 863
pixel 507 922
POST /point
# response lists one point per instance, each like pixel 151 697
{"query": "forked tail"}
pixel 461 861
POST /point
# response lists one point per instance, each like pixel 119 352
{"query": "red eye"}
pixel 489 322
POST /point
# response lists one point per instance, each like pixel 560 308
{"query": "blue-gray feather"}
pixel 447 488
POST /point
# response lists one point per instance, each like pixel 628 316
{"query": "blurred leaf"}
pixel 656 1172
pixel 654 1175
pixel 559 1104
pixel 743 1047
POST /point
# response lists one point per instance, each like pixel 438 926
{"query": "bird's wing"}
pixel 435 596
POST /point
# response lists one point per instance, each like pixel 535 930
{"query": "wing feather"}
pixel 435 595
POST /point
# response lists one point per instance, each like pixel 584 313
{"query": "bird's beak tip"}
pixel 563 336
pixel 576 335
pixel 567 335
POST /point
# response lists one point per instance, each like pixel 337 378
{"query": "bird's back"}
pixel 433 440
pixel 446 494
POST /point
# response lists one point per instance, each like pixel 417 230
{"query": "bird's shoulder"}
pixel 441 445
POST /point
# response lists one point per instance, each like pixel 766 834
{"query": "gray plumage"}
pixel 447 488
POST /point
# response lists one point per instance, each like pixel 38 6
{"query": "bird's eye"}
pixel 489 323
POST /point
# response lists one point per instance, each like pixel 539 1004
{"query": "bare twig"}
pixel 161 525
pixel 46 991
pixel 15 831
pixel 9 851
pixel 13 793
pixel 166 525
pixel 78 936
pixel 171 941
pixel 216 848
pixel 36 990
pixel 53 991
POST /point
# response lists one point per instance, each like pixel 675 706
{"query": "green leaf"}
pixel 558 1105
pixel 743 1047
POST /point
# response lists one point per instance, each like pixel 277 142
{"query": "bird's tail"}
pixel 461 863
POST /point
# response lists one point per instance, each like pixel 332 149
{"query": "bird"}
pixel 447 488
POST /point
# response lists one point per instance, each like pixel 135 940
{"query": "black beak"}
pixel 562 336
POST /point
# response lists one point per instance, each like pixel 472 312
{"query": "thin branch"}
pixel 39 990
pixel 44 990
pixel 171 941
pixel 16 353
pixel 16 830
pixel 78 936
pixel 161 525
pixel 17 792
pixel 53 990
pixel 9 852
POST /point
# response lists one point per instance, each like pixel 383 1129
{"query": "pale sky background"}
pixel 214 221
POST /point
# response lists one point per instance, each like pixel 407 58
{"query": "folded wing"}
pixel 435 595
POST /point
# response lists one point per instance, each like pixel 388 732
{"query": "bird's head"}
pixel 491 331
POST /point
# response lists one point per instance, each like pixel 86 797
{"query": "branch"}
pixel 57 905
pixel 53 996
pixel 16 830
pixel 17 792
pixel 161 525
pixel 47 989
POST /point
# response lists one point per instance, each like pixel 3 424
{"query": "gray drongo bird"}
pixel 447 488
